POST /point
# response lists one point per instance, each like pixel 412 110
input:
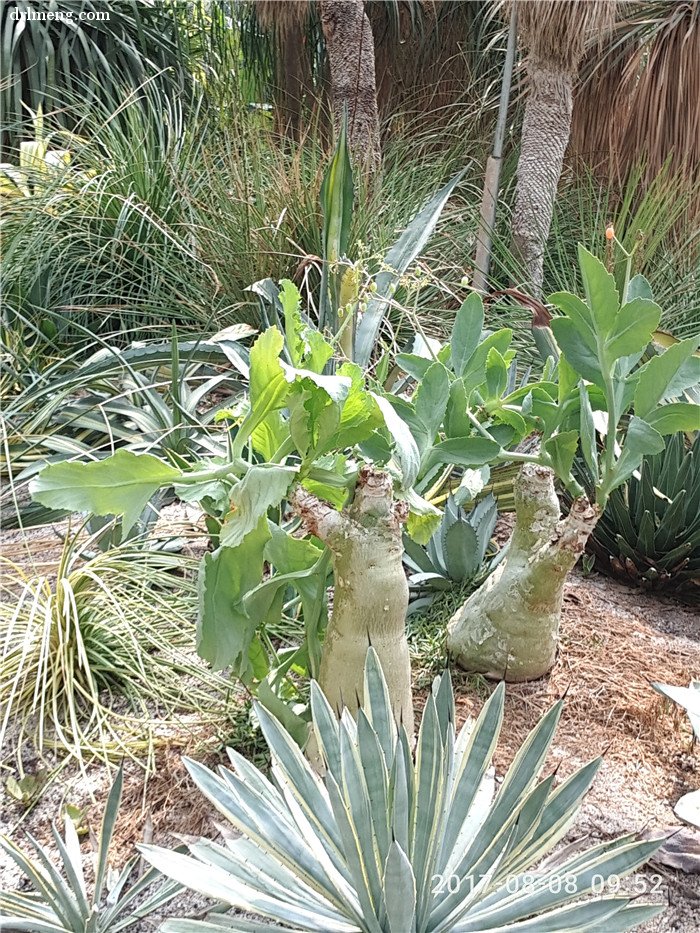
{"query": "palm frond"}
pixel 558 32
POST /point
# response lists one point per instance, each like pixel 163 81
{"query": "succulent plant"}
pixel 62 903
pixel 385 842
pixel 459 552
pixel 649 533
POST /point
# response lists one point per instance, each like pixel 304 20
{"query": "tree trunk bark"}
pixel 350 47
pixel 293 76
pixel 545 135
pixel 509 628
pixel 371 592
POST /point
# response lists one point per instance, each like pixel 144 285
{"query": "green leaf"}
pixel 423 518
pixel 641 438
pixel 589 447
pixel 260 488
pixel 430 401
pixel 399 891
pixel 579 314
pixel 456 423
pixel 290 300
pixel 475 369
pixel 268 390
pixel 317 350
pixel 601 292
pixel 638 287
pixel 360 415
pixel 656 375
pixel 413 364
pixel 405 448
pixel 461 551
pixel 407 248
pixel 678 416
pixel 337 196
pixel 633 328
pixel 567 382
pixel 463 451
pixel 120 485
pixel 561 449
pixel 496 374
pixel 224 630
pixel 466 333
pixel 297 727
pixel 578 354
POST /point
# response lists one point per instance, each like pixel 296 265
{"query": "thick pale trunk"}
pixel 371 592
pixel 350 48
pixel 545 134
pixel 509 627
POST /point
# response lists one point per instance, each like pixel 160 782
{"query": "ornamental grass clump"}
pixel 87 656
pixel 389 842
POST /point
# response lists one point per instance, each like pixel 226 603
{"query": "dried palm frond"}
pixel 597 107
pixel 661 85
pixel 637 100
pixel 558 32
pixel 281 15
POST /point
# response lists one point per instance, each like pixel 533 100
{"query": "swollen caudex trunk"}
pixel 371 593
pixel 509 627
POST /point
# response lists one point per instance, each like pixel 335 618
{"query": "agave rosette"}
pixel 386 842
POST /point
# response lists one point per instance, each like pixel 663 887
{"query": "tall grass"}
pixel 181 214
pixel 649 218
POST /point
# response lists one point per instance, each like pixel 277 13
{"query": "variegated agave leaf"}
pixel 390 842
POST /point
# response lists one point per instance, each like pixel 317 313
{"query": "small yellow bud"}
pixel 610 232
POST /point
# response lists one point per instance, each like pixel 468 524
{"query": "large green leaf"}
pixel 633 328
pixel 430 401
pixel 119 485
pixel 561 449
pixel 466 332
pixel 290 299
pixel 463 451
pixel 601 292
pixel 405 448
pixel 578 353
pixel 641 438
pixel 337 194
pixel 406 249
pixel 268 389
pixel 678 416
pixel 224 629
pixel 261 487
pixel 655 376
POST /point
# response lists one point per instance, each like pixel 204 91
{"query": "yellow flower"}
pixel 609 232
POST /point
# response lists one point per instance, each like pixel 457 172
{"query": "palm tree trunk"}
pixel 545 135
pixel 350 48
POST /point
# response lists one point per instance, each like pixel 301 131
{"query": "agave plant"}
pixel 650 531
pixel 61 903
pixel 386 843
pixel 460 551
